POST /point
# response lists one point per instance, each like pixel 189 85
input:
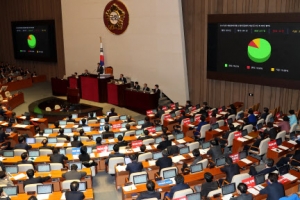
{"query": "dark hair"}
pixel 116 148
pixel 231 127
pixel 150 185
pixel 75 137
pixel 146 132
pixel 202 118
pixel 133 157
pixel 30 173
pixel 143 148
pixel 127 126
pixel 112 110
pixel 270 162
pixel 136 82
pixel 188 102
pixel 214 114
pixel 83 121
pixel 205 103
pixel 157 85
pixel 70 116
pixel 106 127
pixel 165 137
pixel 120 138
pixel 31 198
pixel 83 150
pixel 228 160
pixel 291 112
pixel 147 119
pixel 81 132
pixel 55 151
pixel 196 152
pixel 56 124
pixel 273 177
pixel 21 139
pixel 74 167
pixel 266 110
pixel 2 174
pixel 242 187
pixel 164 129
pixel 165 153
pixel 98 140
pixel 269 124
pixel 179 179
pixel 44 142
pixel 208 177
pixel 213 142
pixel 74 186
pixel 61 131
pixel 250 111
pixel 24 155
pixel 41 132
pixel 106 119
pixel 286 118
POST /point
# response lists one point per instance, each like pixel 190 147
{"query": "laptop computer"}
pixel 87 128
pixel 82 186
pixel 283 170
pixel 205 145
pixel 52 140
pixel 67 130
pixel 158 129
pixel 229 121
pixel 173 114
pixel 244 132
pixel 214 126
pixel 110 147
pixel 138 132
pixel 228 189
pixel 259 126
pixel 279 141
pixel 140 179
pixel 30 140
pixel 123 117
pixel 12 169
pixel 196 168
pixel 197 106
pixel 158 140
pixel 157 155
pixel 33 154
pixel 184 150
pixel 107 113
pixel 242 155
pixel 43 168
pixel 127 160
pixel 62 151
pixel 194 196
pixel 48 130
pixel 141 122
pixel 74 116
pixel 259 179
pixel 220 161
pixel 171 173
pixel 39 116
pixel 241 116
pixel 8 130
pixel 11 190
pixel 179 136
pixel 192 119
pixel 8 153
pixel 62 122
pixel 43 191
pixel 26 122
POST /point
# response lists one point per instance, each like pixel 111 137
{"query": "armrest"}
pixel 225 182
pixel 126 180
pixel 156 175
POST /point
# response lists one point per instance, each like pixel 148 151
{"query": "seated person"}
pixel 98 142
pixel 285 124
pixel 40 134
pixel 198 129
pixel 183 116
pixel 147 123
pixel 70 119
pixel 230 169
pixel 165 130
pixel 176 130
pixel 188 104
pixel 22 144
pixel 208 186
pixel 242 190
pixel 143 149
pixel 165 143
pixel 121 142
pixel 290 159
pixel 270 131
pixel 106 119
pixel 251 118
pixel 160 112
pixel 44 143
pixel 115 154
pixel 255 145
pixel 112 112
pixel 107 134
pixel 213 118
pixel 83 123
pixel 127 127
pixel 136 86
pixel 215 150
pixel 164 161
pixel 150 193
pixel 81 132
pixel 197 156
pixel 269 168
pixel 91 116
pixel 173 150
pixel 274 190
pixel 56 124
pixel 75 142
pixel 3 135
pixel 134 166
pixel 265 113
pixel 62 135
pixel 4 180
pixel 146 88
pixel 24 157
pixel 180 185
pixel 57 158
pixel 74 194
pixel 85 73
pixel 145 135
pixel 31 179
pixel 73 174
pixel 85 158
pixel 122 78
pixel 293 119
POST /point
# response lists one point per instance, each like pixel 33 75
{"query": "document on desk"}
pixel 129 188
pixel 289 177
pixel 122 150
pixel 19 176
pixel 245 160
pixel 92 155
pixel 59 144
pixel 35 119
pixel 136 149
pixel 122 129
pixel 253 191
pixel 248 137
pixel 20 126
pixel 241 121
pixel 276 150
pixel 203 151
pixel 152 162
pixel 151 115
pixel 217 116
pixel 259 187
pixel 70 134
pixel 181 141
pixel 75 157
pixel 121 168
pixel 223 113
pixel 292 142
pixel 138 127
pixel 42 196
pixel 176 159
pixel 242 139
pixel 155 146
pixel 111 140
pixel 170 120
pixel 235 124
pixel 104 154
pixel 191 154
pixel 218 130
pixel 148 147
pixel 227 197
pixel 283 147
pixel 75 126
pixel 4 124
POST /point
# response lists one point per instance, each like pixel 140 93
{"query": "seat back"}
pixel 69 150
pixel 162 118
pixel 263 146
pixel 249 128
pixel 232 117
pixel 44 152
pixel 24 167
pixel 128 133
pixel 268 118
pixel 31 187
pixel 221 122
pixel 136 174
pixel 193 145
pixel 39 139
pixel 56 166
pixel 261 121
pixel 65 185
pixel 148 141
pixel 203 130
pixel 61 140
pixel 92 121
pixel 18 152
pixel 212 193
pixel 161 174
pixel 204 163
pixel 113 118
pixel 112 163
pixel 182 193
pixel 237 179
pixel 281 135
pixel 144 156
pixel 230 139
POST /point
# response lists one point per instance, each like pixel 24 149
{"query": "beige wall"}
pixel 151 50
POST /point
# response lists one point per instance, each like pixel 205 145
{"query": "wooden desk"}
pixel 277 155
pixel 116 93
pixel 16 100
pixel 39 78
pixel 238 145
pixel 41 122
pixel 212 134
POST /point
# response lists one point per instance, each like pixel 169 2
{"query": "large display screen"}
pixel 254 52
pixel 34 40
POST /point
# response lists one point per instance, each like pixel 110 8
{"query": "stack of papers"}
pixel 122 150
pixel 70 134
pixel 59 144
pixel 241 121
pixel 170 119
pixel 176 159
pixel 136 149
pixel 104 154
pixel 259 187
pixel 42 196
pixel 155 146
pixel 219 130
pixel 181 141
pixel 191 154
pixel 138 126
pixel 129 188
pixel 289 177
pixel 276 150
pixel 63 196
pixel 20 126
pixel 227 197
pixel 75 157
pixel 148 147
pixel 248 137
pixel 151 115
pixel 152 162
pixel 92 155
pixel 245 160
pixel 242 139
pixel 292 142
pixel 283 147
pixel 75 126
pixel 122 129
pixel 23 117
pixel 121 168
pixel 235 124
pixel 69 144
pixel 253 191
pixel 19 176
pixel 35 119
pixel 173 143
pixel 191 125
pixel 203 151
pixel 223 113
pixel 5 123
pixel 111 140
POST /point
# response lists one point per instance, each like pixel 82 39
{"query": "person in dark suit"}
pixel 70 119
pixel 164 161
pixel 156 89
pixel 44 143
pixel 86 73
pixel 122 142
pixel 22 144
pixel 3 135
pixel 197 133
pixel 115 154
pixel 2 167
pixel 31 179
pixel 197 156
pixel 145 135
pixel 91 116
pixel 142 150
pixel 73 174
pixel 274 190
pixel 24 157
pixel 147 123
pixel 180 185
pixel 165 143
pixel 290 158
pixel 61 134
pixel 208 186
pixel 269 168
pixel 75 142
pixel 160 112
pixel 112 112
pixel 136 86
pixel 230 170
pixel 183 116
pixel 173 150
pixel 74 194
pixel 265 113
pixel 57 158
pixel 270 131
pixel 146 88
pixel 134 166
pixel 107 134
pixel 122 78
pixel 150 193
pixel 242 190
pixel 100 69
pixel 215 150
pixel 3 195
pixel 83 123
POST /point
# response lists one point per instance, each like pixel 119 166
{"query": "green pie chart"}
pixel 31 41
pixel 259 50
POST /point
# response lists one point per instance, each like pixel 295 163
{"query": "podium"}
pixel 73 82
pixel 116 94
pixel 59 86
pixel 140 101
pixel 73 95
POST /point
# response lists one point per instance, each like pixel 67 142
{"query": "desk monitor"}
pixel 229 121
pixel 11 190
pixel 205 145
pixel 279 141
pixel 196 168
pixel 171 173
pixel 62 122
pixel 44 189
pixel 157 155
pixel 101 128
pixel 123 117
pixel 33 153
pixel 242 155
pixel 52 140
pixel 158 140
pixel 140 179
pixel 259 179
pixel 138 132
pixel 82 186
pixel 111 147
pixel 259 126
pixel 107 113
pixel 26 122
pixel 184 150
pixel 8 153
pixel 13 169
pixel 173 114
pixel 95 136
pixel 123 125
pixel 194 196
pixel 228 189
pixel 74 116
pixel 48 130
pixel 67 130
pixel 141 122
pixel 79 165
pixel 102 120
pixel 158 128
pixel 8 130
pixel 62 151
pixel 215 126
pixel 87 128
pixel 117 134
pixel 89 149
pixel 220 161
pixel 43 168
pixel 244 132
pixel 284 170
pixel 30 140
pixel 179 136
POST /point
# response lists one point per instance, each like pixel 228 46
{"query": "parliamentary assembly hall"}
pixel 149 99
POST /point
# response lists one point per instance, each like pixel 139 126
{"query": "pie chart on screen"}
pixel 259 50
pixel 31 41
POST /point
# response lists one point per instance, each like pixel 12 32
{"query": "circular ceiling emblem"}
pixel 116 17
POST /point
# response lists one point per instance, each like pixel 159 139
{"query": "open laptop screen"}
pixel 43 168
pixel 194 196
pixel 82 186
pixel 196 168
pixel 184 150
pixel 205 145
pixel 30 140
pixel 11 190
pixel 139 179
pixel 220 161
pixel 44 189
pixel 259 179
pixel 242 154
pixel 157 155
pixel 228 189
pixel 171 173
pixel 8 153
pixel 13 169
